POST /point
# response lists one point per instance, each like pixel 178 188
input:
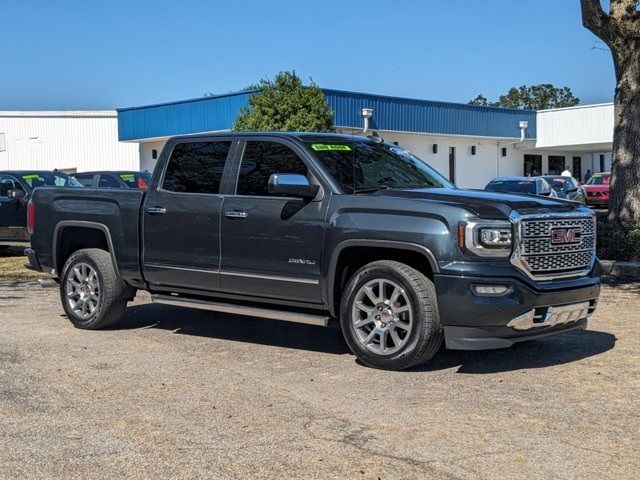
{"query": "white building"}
pixel 69 141
pixel 469 144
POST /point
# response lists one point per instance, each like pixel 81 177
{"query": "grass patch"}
pixel 12 266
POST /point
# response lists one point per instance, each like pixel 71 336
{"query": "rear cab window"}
pixel 86 180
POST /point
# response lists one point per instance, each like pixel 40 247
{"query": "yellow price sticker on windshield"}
pixel 322 147
pixel 31 177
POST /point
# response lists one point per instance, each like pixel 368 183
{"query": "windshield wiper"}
pixel 371 190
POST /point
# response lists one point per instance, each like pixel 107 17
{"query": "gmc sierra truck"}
pixel 314 227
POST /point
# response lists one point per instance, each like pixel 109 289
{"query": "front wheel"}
pixel 92 295
pixel 389 316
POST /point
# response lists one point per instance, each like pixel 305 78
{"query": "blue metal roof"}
pixel 389 113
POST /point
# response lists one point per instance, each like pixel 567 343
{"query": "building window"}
pixel 154 154
pixel 532 165
pixel 556 164
pixel 3 142
pixel 504 151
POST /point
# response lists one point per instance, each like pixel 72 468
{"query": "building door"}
pixel 602 166
pixel 532 165
pixel 556 164
pixel 452 164
pixel 576 167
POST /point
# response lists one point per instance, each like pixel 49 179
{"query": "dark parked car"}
pixel 313 227
pixel 15 190
pixel 597 189
pixel 567 188
pixel 522 185
pixel 139 180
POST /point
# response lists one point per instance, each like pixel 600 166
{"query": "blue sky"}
pixel 105 54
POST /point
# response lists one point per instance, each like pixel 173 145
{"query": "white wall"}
pixel 582 125
pixel 81 141
pixel 147 162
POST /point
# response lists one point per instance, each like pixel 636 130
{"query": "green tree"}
pixel 620 31
pixel 285 104
pixel 535 97
pixel 480 100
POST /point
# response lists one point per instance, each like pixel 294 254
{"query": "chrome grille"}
pixel 542 228
pixel 540 257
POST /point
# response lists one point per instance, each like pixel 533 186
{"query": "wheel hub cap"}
pixel 83 290
pixel 382 316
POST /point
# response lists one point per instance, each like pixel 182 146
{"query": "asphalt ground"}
pixel 180 393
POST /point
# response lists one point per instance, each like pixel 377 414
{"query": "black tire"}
pixel 425 337
pixel 112 298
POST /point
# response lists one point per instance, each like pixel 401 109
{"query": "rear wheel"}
pixel 389 316
pixel 92 295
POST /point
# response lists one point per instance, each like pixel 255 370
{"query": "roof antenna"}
pixel 375 137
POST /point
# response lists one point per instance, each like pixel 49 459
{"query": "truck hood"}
pixel 486 204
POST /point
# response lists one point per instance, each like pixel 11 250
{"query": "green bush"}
pixel 618 241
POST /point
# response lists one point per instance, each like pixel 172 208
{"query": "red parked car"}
pixel 597 189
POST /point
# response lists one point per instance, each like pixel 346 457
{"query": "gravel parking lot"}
pixel 177 393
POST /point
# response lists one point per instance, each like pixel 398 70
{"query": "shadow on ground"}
pixel 555 350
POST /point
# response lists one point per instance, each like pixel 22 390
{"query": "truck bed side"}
pixel 108 218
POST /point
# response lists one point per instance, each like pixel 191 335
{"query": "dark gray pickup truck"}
pixel 312 227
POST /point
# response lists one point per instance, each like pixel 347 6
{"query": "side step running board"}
pixel 284 315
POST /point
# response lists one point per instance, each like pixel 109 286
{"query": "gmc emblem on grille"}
pixel 566 235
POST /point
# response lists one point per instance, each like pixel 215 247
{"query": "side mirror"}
pixel 573 190
pixel 546 193
pixel 292 185
pixel 15 194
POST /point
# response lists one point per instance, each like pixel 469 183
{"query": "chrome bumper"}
pixel 537 317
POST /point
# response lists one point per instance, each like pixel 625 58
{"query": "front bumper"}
pixel 475 322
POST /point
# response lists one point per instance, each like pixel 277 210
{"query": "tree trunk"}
pixel 624 203
pixel 620 30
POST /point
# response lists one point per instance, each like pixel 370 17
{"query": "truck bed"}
pixel 116 211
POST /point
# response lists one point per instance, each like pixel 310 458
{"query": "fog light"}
pixel 491 290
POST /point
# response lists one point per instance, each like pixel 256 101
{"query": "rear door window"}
pixel 108 181
pixel 196 167
pixel 86 180
pixel 262 159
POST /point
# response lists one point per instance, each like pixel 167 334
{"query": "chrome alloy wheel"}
pixel 382 316
pixel 83 290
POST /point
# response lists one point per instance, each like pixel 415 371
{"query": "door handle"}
pixel 156 210
pixel 235 214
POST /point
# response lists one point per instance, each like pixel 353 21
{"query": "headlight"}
pixel 488 238
pixel 494 237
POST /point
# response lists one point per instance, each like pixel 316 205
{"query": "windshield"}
pixel 41 179
pixel 599 180
pixel 136 179
pixel 512 186
pixel 362 165
pixel 558 184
